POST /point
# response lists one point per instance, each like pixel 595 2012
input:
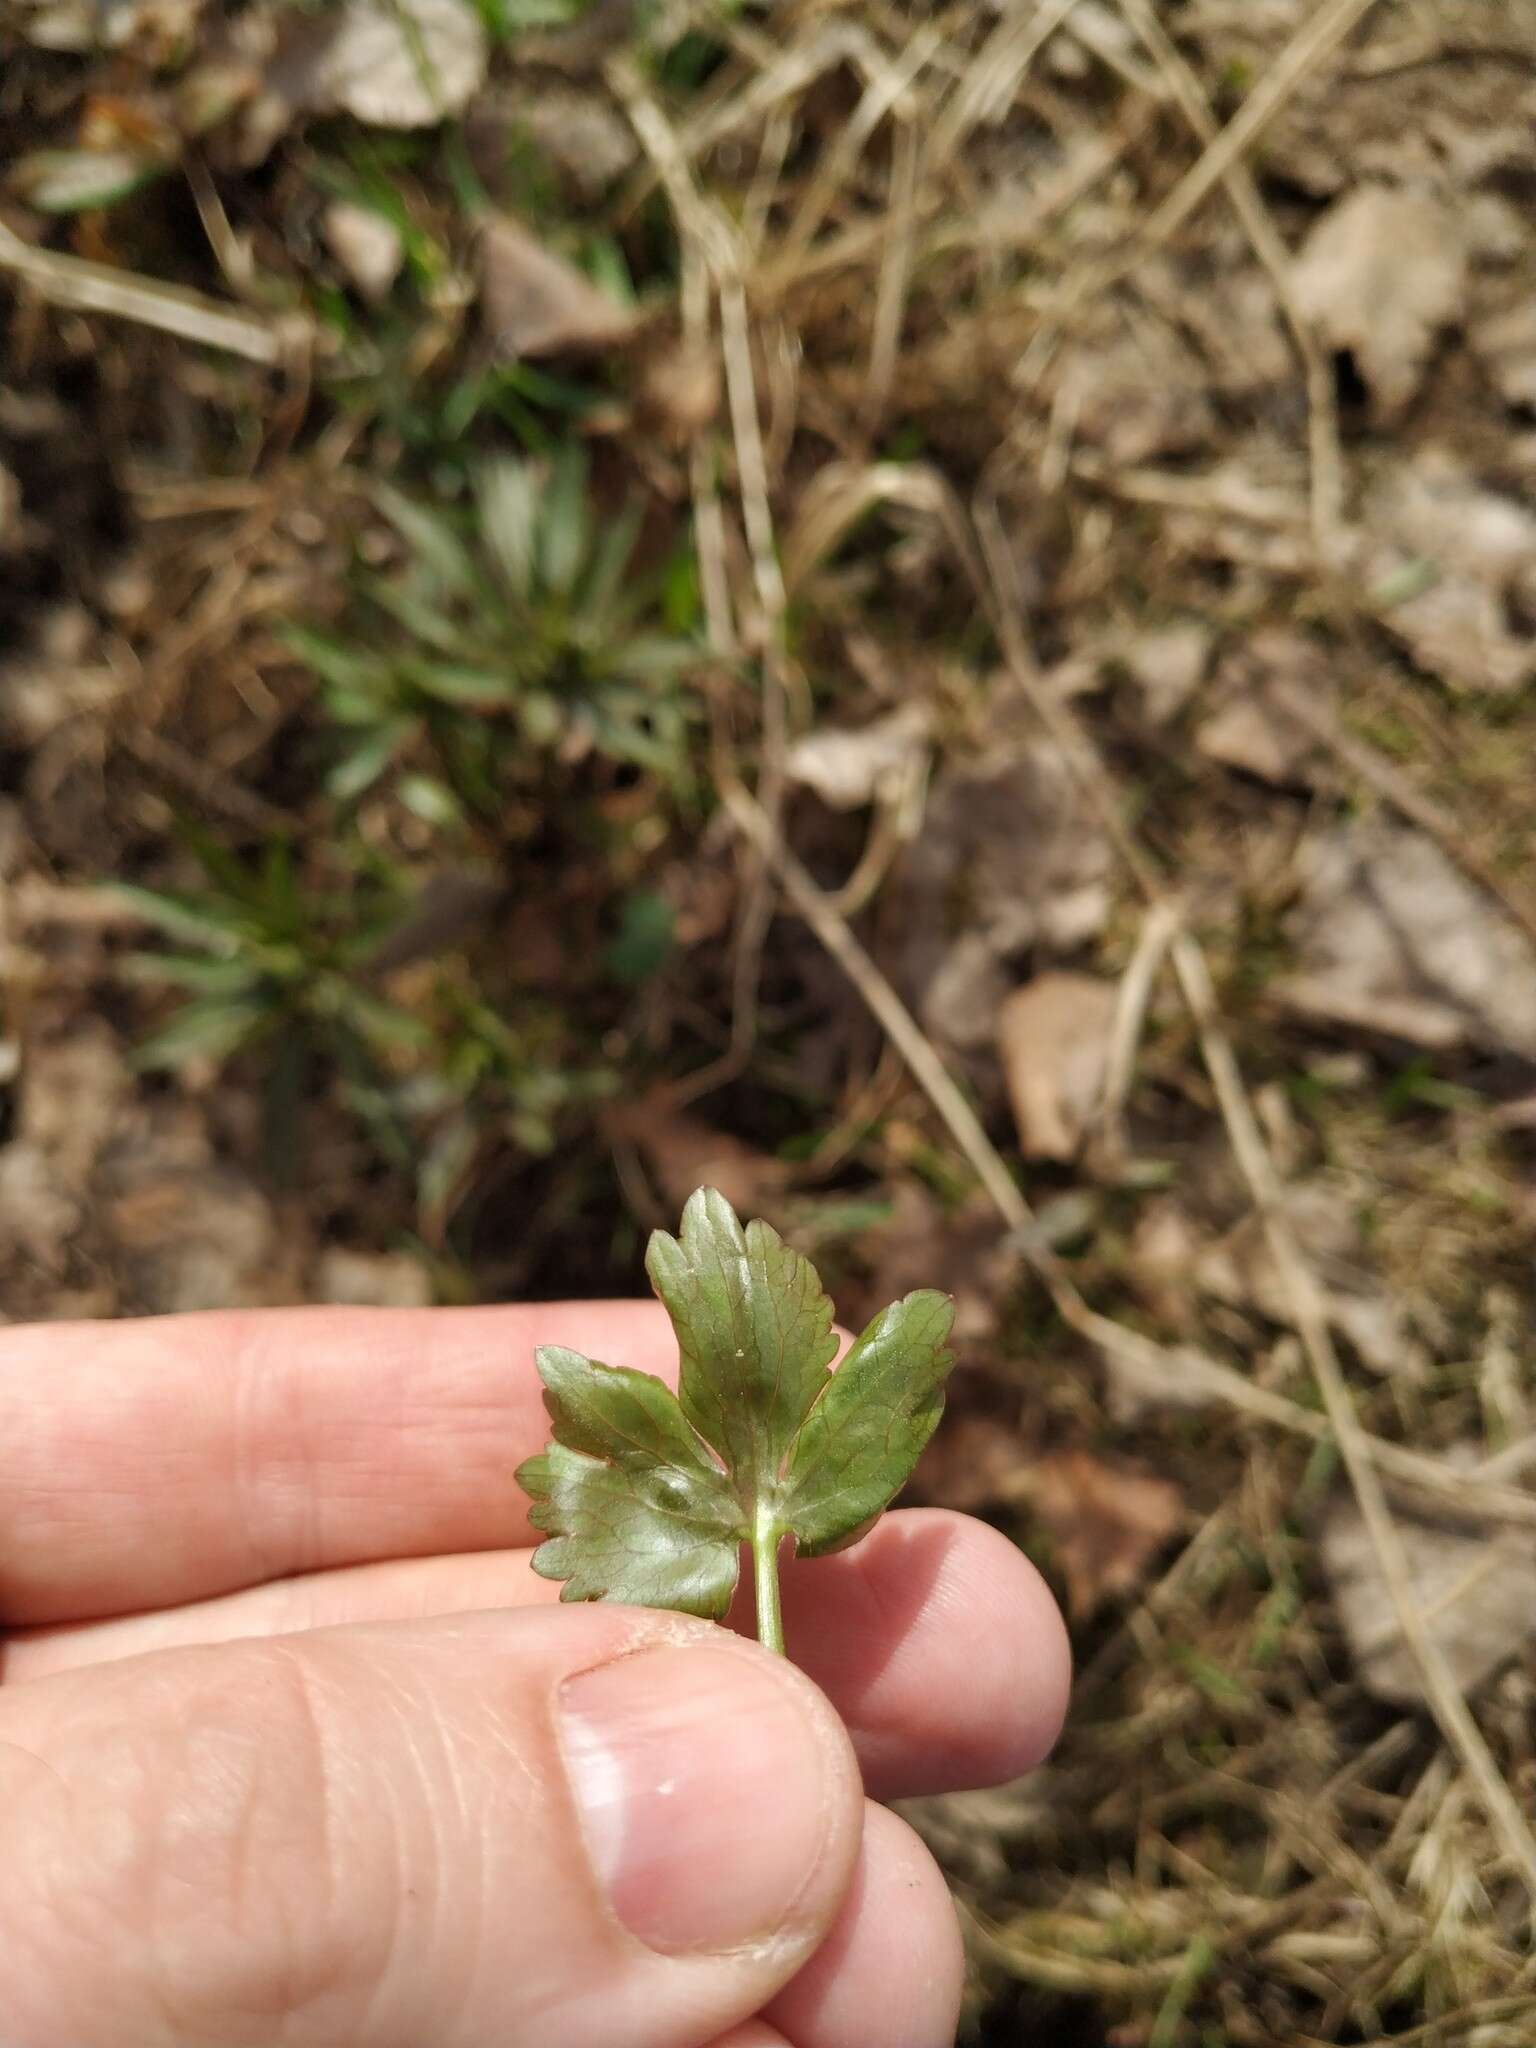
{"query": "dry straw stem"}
pixel 1313 43
pixel 86 287
pixel 714 260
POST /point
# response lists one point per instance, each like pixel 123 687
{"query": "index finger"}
pixel 150 1462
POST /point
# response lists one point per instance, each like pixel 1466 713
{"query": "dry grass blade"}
pixel 1311 46
pixel 88 287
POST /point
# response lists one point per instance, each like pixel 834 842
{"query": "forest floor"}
pixel 925 612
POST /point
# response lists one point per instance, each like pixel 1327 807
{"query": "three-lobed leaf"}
pixel 647 1497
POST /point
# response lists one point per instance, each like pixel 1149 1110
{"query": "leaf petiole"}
pixel 765 1561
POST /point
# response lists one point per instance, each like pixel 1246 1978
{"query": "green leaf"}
pixel 339 667
pixel 755 1332
pixel 647 1497
pixel 884 1403
pixel 432 540
pixel 610 559
pixel 201 974
pixel 184 917
pixel 362 765
pixel 637 1508
pixel 209 1029
pixel 507 497
pixel 384 1023
pixel 459 682
pixel 564 522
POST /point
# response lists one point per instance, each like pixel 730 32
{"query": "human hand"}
pixel 295 1746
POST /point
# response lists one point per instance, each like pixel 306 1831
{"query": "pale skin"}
pixel 295 1747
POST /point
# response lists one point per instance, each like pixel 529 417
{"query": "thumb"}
pixel 584 1825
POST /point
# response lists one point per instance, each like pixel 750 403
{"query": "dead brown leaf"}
pixel 1240 1269
pixel 537 304
pixel 579 132
pixel 963 1248
pixel 193 1234
pixel 975 1462
pixel 1166 663
pixel 1507 346
pixel 368 247
pixel 372 1279
pixel 1391 937
pixel 1013 842
pixel 1247 729
pixel 1106 1523
pixel 849 768
pixel 1053 1036
pixel 1380 274
pixel 680 390
pixel 1445 558
pixel 400 63
pixel 684 1153
pixel 1476 1593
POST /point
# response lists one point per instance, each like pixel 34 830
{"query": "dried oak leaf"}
pixel 1380 274
pixel 1106 1523
pixel 647 1496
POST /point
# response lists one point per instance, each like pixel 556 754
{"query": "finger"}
pixel 941 1644
pixel 935 1639
pixel 893 1967
pixel 174 1458
pixel 597 1827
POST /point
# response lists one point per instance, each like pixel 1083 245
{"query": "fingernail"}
pixel 706 1785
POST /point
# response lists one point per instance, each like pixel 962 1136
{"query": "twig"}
pixel 883 93
pixel 207 782
pixel 172 309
